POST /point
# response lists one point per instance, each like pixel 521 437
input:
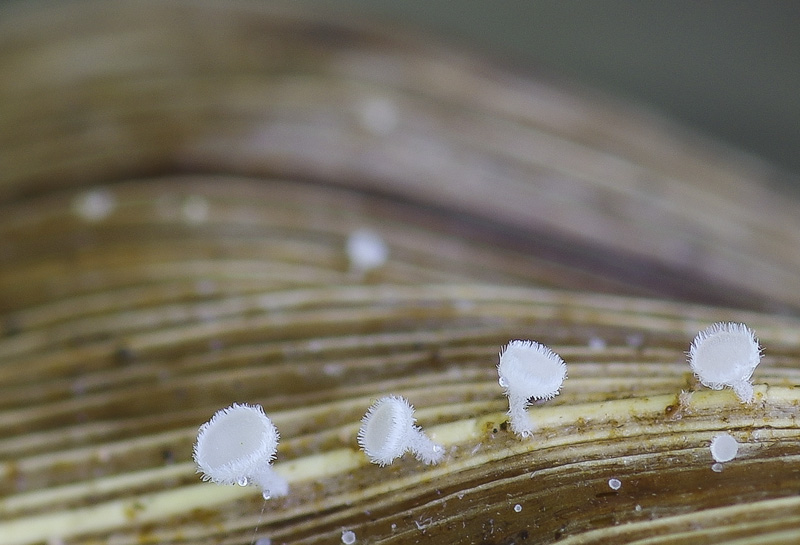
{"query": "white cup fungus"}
pixel 237 446
pixel 724 447
pixel 528 370
pixel 388 430
pixel 726 354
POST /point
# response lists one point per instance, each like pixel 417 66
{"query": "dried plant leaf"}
pixel 175 213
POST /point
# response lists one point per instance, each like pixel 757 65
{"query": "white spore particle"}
pixel 366 250
pixel 378 115
pixel 517 508
pixel 596 343
pixel 195 209
pixel 634 340
pixel 726 354
pixel 724 447
pixel 614 484
pixel 348 537
pixel 94 205
pixel 528 370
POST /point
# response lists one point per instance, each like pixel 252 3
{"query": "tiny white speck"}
pixel 637 508
pixel 263 541
pixel 79 387
pixel 195 209
pixel 366 250
pixel 596 343
pixel 517 508
pixel 717 468
pixel 378 115
pixel 348 537
pixel 724 447
pixel 394 526
pixel 615 484
pixel 332 369
pixel 205 287
pixel 94 205
pixel 635 340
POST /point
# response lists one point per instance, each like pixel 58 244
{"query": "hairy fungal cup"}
pixel 528 370
pixel 726 354
pixel 237 446
pixel 724 447
pixel 388 430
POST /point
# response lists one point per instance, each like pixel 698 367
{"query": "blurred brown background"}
pixel 730 69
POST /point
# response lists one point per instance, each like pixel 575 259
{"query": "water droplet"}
pixel 502 382
pixel 717 468
pixel 242 481
pixel 517 508
pixel 615 484
pixel 266 494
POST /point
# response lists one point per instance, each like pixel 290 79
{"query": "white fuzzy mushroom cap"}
pixel 528 369
pixel 725 354
pixel 236 444
pixel 724 447
pixel 387 429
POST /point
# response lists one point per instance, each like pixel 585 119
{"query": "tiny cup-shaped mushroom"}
pixel 237 446
pixel 388 430
pixel 724 447
pixel 726 354
pixel 528 370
